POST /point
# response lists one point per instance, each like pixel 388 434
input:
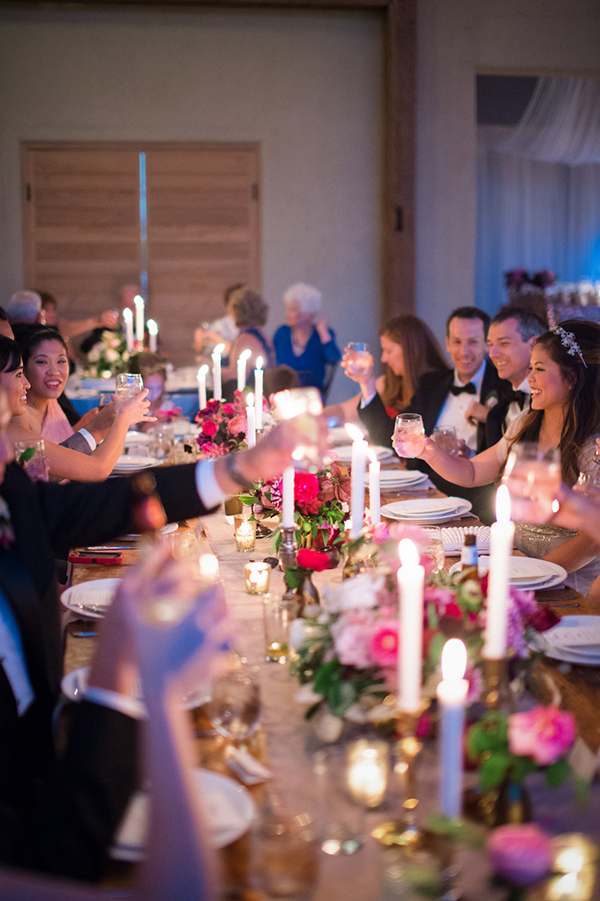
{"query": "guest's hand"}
pixel 430 451
pixel 476 412
pixel 109 319
pixel 98 422
pixel 323 331
pixel 134 409
pixel 364 374
pixel 464 450
pixel 577 511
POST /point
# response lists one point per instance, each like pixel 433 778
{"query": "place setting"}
pixel 421 511
pixel 525 572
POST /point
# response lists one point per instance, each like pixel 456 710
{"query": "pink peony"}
pixel 522 854
pixel 384 643
pixel 543 733
pixel 228 410
pixel 352 645
pixel 306 492
pixel 213 450
pixel 210 428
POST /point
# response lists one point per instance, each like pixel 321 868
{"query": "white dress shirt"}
pixel 452 414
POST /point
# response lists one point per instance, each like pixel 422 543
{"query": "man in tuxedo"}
pixel 59 815
pixel 511 336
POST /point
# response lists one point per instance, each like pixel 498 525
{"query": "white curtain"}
pixel 534 213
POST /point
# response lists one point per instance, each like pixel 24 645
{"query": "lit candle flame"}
pixel 152 327
pixel 259 362
pixel 218 350
pixel 202 372
pixel 409 555
pixel 245 354
pixel 209 565
pixel 138 301
pixel 354 432
pixel 127 315
pixel 372 455
pixel 502 504
pixel 454 660
pixel 250 400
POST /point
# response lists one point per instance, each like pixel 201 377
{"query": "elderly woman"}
pixel 304 344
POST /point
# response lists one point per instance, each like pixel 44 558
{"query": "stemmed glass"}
pixel 533 480
pixel 234 707
pixel 409 435
pixel 128 384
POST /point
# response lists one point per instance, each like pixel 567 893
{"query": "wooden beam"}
pixel 398 294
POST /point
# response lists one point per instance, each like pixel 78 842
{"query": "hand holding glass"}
pixel 128 384
pixel 235 703
pixel 533 480
pixel 446 440
pixel 409 435
pixel 358 359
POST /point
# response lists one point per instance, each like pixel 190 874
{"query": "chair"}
pixel 330 369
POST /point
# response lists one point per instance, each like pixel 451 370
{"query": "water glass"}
pixel 104 399
pixel 588 483
pixel 409 435
pixel 435 549
pixel 278 614
pixel 446 440
pixel 285 857
pixel 161 439
pixel 533 480
pixel 32 457
pixel 358 359
pixel 234 707
pixel 128 384
pixel 245 533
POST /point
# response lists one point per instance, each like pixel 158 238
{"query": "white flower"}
pixel 354 594
pixel 94 354
pixel 298 633
pixel 111 355
pixel 307 695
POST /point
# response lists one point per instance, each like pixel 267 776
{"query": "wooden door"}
pixel 82 239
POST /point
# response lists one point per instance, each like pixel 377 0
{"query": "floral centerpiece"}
pixel 223 426
pixel 108 356
pixel 348 656
pixel 321 504
pixel 520 279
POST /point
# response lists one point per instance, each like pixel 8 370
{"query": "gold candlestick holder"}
pixel 405 832
pixel 496 693
pixel 287 548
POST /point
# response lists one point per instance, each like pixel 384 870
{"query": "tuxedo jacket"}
pixel 59 815
pixel 495 426
pixel 428 400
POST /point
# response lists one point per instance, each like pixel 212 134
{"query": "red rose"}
pixel 543 619
pixel 209 428
pixel 307 559
pixel 228 410
pixel 306 492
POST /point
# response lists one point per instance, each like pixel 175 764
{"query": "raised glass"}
pixel 409 435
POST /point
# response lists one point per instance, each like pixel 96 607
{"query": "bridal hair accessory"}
pixel 567 339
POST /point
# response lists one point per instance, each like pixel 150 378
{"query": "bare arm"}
pixel 69 329
pixel 479 470
pixel 241 343
pixel 574 553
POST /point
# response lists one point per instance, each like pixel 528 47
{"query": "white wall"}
pixel 458 38
pixel 308 86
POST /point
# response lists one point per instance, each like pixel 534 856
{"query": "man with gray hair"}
pixel 24 306
pixel 512 333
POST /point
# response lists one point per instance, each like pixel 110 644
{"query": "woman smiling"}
pixel 46 365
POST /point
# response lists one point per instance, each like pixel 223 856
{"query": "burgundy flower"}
pixel 308 559
pixel 543 619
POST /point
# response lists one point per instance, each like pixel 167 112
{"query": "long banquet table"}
pixel 288 742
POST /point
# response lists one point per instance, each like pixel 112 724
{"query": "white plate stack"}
pixel 397 479
pixel 427 511
pixel 576 639
pixel 128 463
pixel 344 452
pixel 529 573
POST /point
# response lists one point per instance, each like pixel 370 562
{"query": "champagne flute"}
pixel 533 480
pixel 235 706
pixel 409 435
pixel 128 384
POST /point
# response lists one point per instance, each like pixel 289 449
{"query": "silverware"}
pixel 110 547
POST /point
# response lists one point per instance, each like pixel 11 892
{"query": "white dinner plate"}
pixel 423 511
pixel 129 462
pixel 74 684
pixel 394 477
pixel 526 572
pixel 575 639
pixel 228 808
pixel 137 438
pixel 344 452
pixel 90 599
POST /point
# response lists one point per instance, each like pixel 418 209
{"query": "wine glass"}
pixel 446 440
pixel 128 384
pixel 533 480
pixel 104 399
pixel 234 707
pixel 358 360
pixel 409 435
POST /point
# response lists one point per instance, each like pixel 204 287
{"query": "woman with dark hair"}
pixel 408 349
pixel 46 365
pixel 63 462
pixel 565 414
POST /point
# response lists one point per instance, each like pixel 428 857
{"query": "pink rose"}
pixel 543 733
pixel 238 425
pixel 209 428
pixel 228 410
pixel 384 643
pixel 521 854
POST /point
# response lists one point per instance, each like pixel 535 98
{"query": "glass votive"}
pixel 368 764
pixel 258 577
pixel 574 860
pixel 245 533
pixel 209 566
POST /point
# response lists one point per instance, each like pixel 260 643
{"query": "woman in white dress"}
pixel 565 413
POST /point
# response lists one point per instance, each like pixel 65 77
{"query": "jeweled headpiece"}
pixel 568 341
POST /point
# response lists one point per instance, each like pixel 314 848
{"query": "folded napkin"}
pixel 453 538
pixel 245 766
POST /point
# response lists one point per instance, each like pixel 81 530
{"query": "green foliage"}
pixel 557 773
pixel 493 770
pixel 27 454
pixel 459 832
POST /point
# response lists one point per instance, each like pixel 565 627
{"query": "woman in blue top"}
pixel 303 344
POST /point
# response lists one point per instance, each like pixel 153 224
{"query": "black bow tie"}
pixel 518 397
pixel 469 388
